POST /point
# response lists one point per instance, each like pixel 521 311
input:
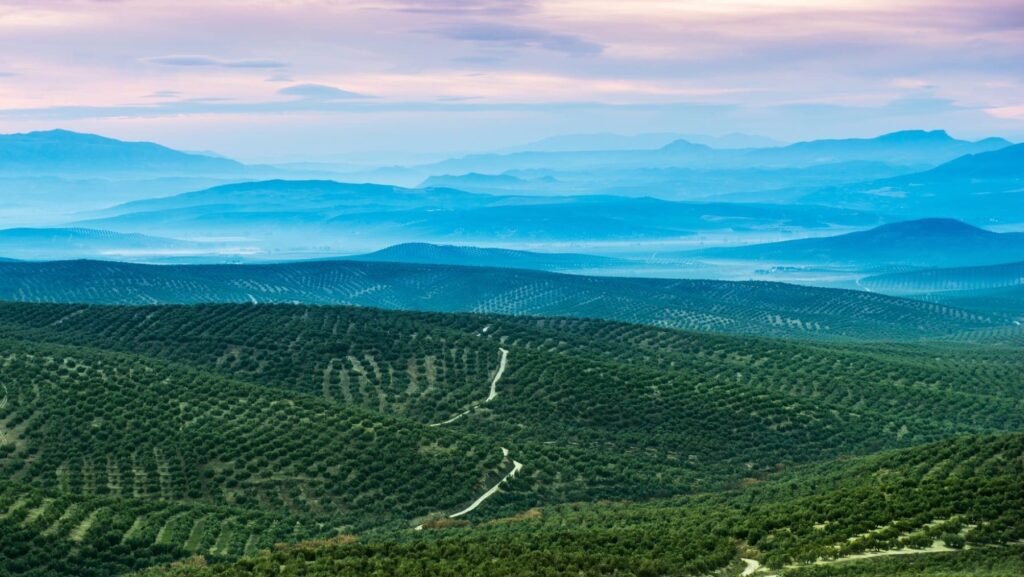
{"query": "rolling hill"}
pixel 994 289
pixel 934 242
pixel 948 279
pixel 303 195
pixel 736 307
pixel 138 436
pixel 424 253
pixel 1005 301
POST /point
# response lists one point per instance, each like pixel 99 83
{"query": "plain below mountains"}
pixel 57 243
pixel 918 243
pixel 758 308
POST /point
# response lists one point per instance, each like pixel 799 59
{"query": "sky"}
pixel 272 80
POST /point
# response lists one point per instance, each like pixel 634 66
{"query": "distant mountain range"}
pixel 649 140
pixel 424 253
pixel 865 174
pixel 908 148
pixel 914 148
pixel 326 211
pixel 772 309
pixel 670 183
pixel 921 243
pixel 47 176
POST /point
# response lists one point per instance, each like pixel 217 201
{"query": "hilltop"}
pixel 925 242
pixel 425 253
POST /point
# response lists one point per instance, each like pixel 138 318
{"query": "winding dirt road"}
pixel 490 397
pixel 3 405
pixel 516 467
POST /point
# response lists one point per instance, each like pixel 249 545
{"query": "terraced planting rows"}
pixel 85 425
pixel 747 308
pixel 46 533
pixel 598 409
pixel 409 364
pixel 965 492
pixel 948 279
pixel 229 426
pixel 1005 301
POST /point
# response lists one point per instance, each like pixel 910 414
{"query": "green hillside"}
pixel 756 308
pixel 136 436
pixel 946 509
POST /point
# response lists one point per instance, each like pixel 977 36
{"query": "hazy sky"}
pixel 263 79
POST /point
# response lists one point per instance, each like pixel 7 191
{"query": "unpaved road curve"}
pixel 3 405
pixel 516 467
pixel 752 566
pixel 490 396
pixel 497 376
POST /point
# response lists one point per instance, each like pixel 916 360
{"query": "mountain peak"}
pixel 917 136
pixel 683 145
